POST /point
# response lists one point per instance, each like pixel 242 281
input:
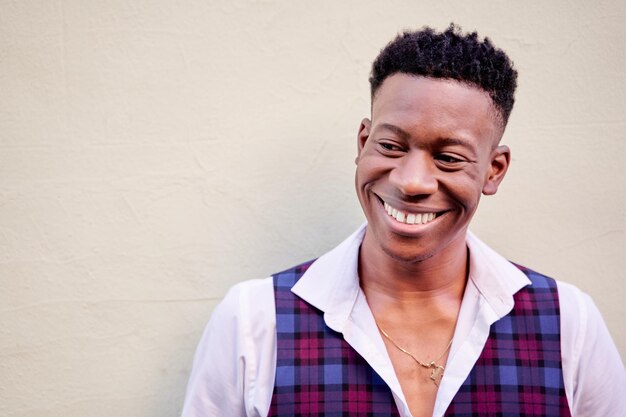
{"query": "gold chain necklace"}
pixel 436 370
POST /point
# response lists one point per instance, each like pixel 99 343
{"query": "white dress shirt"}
pixel 235 362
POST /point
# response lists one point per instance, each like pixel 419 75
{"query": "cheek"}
pixel 466 190
pixel 370 168
pixel 362 178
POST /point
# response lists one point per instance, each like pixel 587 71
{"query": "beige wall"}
pixel 153 153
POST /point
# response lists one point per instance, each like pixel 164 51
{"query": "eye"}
pixel 390 147
pixel 449 159
pixel 450 162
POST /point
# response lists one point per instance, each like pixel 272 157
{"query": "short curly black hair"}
pixel 451 55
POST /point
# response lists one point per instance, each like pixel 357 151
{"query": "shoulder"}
pixel 232 372
pixel 578 313
pixel 290 276
pixel 595 379
pixel 246 315
pixel 593 372
pixel 247 300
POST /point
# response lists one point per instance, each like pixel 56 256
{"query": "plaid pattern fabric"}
pixel 317 372
pixel 517 374
pixel 519 371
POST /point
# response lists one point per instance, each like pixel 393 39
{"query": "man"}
pixel 412 315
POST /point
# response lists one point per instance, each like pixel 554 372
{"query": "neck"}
pixel 417 303
pixel 443 273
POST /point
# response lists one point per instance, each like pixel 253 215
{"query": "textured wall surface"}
pixel 153 153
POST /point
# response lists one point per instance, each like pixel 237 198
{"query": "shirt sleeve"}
pixel 595 379
pixel 232 367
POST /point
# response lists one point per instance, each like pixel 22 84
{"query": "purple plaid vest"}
pixel 518 373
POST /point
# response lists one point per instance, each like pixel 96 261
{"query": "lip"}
pixel 403 228
pixel 408 208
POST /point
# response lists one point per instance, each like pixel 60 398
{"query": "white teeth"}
pixel 409 218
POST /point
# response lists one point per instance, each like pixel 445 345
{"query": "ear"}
pixel 500 159
pixel 361 137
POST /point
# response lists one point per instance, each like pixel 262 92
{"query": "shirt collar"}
pixel 331 284
pixel 496 279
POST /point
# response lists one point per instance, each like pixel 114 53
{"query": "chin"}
pixel 407 256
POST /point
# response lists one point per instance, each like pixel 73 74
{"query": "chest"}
pixel 519 368
pixel 418 379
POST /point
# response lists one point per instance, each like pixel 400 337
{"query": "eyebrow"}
pixel 455 141
pixel 395 129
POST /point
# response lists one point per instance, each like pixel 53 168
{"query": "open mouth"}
pixel 408 217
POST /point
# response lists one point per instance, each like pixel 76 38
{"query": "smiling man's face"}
pixel 429 152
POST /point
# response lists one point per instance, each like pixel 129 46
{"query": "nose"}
pixel 415 174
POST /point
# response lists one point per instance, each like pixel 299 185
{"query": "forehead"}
pixel 413 101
